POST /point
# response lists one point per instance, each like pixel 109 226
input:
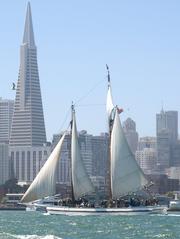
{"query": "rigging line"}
pixel 85 105
pixel 65 119
pixel 92 89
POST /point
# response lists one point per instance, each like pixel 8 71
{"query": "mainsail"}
pixel 126 175
pixel 82 184
pixel 44 183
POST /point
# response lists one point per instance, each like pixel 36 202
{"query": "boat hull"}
pixel 100 211
pixel 174 205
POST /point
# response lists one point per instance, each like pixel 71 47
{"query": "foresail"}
pixel 44 183
pixel 126 175
pixel 109 103
pixel 82 184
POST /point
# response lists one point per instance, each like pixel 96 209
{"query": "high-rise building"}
pixel 129 127
pixel 100 154
pixel 168 120
pixel 28 148
pixel 167 136
pixel 28 126
pixel 176 154
pixel 146 155
pixel 146 159
pixel 85 143
pixel 94 152
pixel 6 113
pixel 147 142
pixel 163 150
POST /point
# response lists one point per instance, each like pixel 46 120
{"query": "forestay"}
pixel 82 184
pixel 45 181
pixel 126 175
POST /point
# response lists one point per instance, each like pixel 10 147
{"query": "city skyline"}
pixel 75 44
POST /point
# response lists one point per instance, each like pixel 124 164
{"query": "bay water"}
pixel 35 225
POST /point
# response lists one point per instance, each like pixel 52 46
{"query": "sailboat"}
pixel 124 175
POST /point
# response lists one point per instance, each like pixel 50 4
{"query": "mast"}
pixel 72 122
pixel 110 123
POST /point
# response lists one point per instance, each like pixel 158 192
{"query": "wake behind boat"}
pixel 124 174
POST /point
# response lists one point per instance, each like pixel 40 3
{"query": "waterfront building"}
pixel 129 127
pixel 163 184
pixel 28 147
pixel 6 113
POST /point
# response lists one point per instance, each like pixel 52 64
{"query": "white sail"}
pixel 109 103
pixel 44 183
pixel 126 175
pixel 82 184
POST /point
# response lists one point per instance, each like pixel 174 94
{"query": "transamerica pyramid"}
pixel 28 128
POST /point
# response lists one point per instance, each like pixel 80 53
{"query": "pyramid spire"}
pixel 28 128
pixel 28 37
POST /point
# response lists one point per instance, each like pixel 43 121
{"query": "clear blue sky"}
pixel 139 40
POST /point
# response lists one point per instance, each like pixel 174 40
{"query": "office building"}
pixel 146 159
pixel 167 136
pixel 28 147
pixel 168 120
pixel 6 113
pixel 129 127
pixel 147 142
pixel 28 126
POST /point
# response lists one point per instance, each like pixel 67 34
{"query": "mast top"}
pixel 108 76
pixel 72 107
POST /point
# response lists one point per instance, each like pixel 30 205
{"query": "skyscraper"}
pixel 168 120
pixel 28 149
pixel 28 126
pixel 129 127
pixel 167 136
pixel 6 112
